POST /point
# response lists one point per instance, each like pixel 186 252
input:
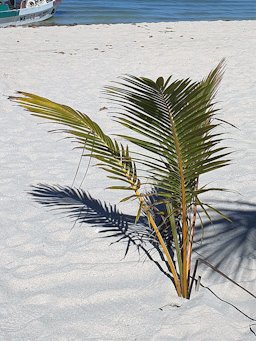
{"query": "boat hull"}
pixel 27 16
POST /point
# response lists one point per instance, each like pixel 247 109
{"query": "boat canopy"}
pixel 10 4
pixel 3 7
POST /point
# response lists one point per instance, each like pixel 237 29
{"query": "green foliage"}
pixel 173 123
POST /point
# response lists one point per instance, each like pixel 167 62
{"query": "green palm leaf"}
pixel 113 157
pixel 177 120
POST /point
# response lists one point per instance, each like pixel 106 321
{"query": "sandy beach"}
pixel 60 281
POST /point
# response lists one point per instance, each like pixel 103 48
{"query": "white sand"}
pixel 63 284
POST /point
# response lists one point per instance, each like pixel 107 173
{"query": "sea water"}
pixel 133 11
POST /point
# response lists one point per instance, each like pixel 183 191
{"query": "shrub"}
pixel 175 124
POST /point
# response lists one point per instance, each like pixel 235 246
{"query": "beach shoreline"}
pixel 46 24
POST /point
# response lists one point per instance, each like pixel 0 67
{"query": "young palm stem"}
pixel 190 244
pixel 166 252
pixel 170 213
pixel 161 241
pixel 192 231
pixel 152 223
pixel 184 241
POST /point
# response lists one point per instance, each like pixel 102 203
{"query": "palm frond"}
pixel 177 120
pixel 112 156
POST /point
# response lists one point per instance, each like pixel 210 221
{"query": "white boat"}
pixel 25 12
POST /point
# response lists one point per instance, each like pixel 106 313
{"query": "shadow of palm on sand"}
pixel 222 239
pixel 82 207
pixel 230 245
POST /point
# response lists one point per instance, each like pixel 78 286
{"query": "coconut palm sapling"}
pixel 175 129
